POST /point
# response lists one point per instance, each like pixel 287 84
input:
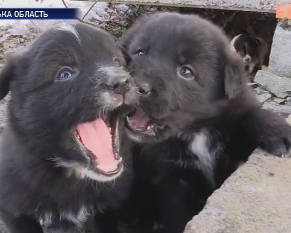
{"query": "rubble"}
pixel 279 86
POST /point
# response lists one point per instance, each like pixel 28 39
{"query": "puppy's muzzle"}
pixel 144 89
pixel 247 59
pixel 119 85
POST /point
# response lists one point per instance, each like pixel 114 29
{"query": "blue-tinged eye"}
pixel 140 52
pixel 65 74
pixel 186 73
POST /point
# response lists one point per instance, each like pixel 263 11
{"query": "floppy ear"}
pixel 7 74
pixel 258 40
pixel 128 36
pixel 125 54
pixel 124 42
pixel 235 76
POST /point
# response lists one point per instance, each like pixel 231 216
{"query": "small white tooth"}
pixel 150 127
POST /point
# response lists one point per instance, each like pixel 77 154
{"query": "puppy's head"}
pixel 66 90
pixel 247 46
pixel 185 71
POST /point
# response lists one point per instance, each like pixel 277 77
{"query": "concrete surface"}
pixel 279 86
pixel 280 59
pixel 245 5
pixel 282 110
pixel 255 199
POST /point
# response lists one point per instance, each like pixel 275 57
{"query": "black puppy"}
pixel 252 50
pixel 61 158
pixel 197 121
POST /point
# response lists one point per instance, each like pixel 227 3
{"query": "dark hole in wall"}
pixel 235 22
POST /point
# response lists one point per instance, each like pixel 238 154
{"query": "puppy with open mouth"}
pixel 64 156
pixel 197 119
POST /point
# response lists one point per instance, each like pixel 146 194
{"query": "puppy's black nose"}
pixel 144 89
pixel 118 85
pixel 247 59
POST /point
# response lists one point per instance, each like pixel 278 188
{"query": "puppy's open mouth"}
pixel 101 138
pixel 139 122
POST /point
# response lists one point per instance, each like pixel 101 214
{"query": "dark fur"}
pixel 172 182
pixel 38 135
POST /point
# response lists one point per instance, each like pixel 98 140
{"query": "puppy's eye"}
pixel 65 74
pixel 186 73
pixel 116 61
pixel 139 52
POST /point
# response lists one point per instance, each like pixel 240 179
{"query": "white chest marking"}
pixel 46 219
pixel 81 172
pixel 77 218
pixel 200 147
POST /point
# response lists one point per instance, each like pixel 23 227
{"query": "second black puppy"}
pixel 61 157
pixel 197 121
pixel 252 50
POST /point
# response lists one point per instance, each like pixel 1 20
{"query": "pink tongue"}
pixel 139 120
pixel 96 137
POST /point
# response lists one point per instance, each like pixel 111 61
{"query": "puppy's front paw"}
pixel 279 144
pixel 271 132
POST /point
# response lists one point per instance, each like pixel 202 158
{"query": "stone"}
pixel 19 30
pixel 280 59
pixel 282 110
pixel 259 90
pixel 21 40
pixel 122 8
pixel 279 100
pixel 279 86
pixel 264 97
pixel 256 198
pixel 288 119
